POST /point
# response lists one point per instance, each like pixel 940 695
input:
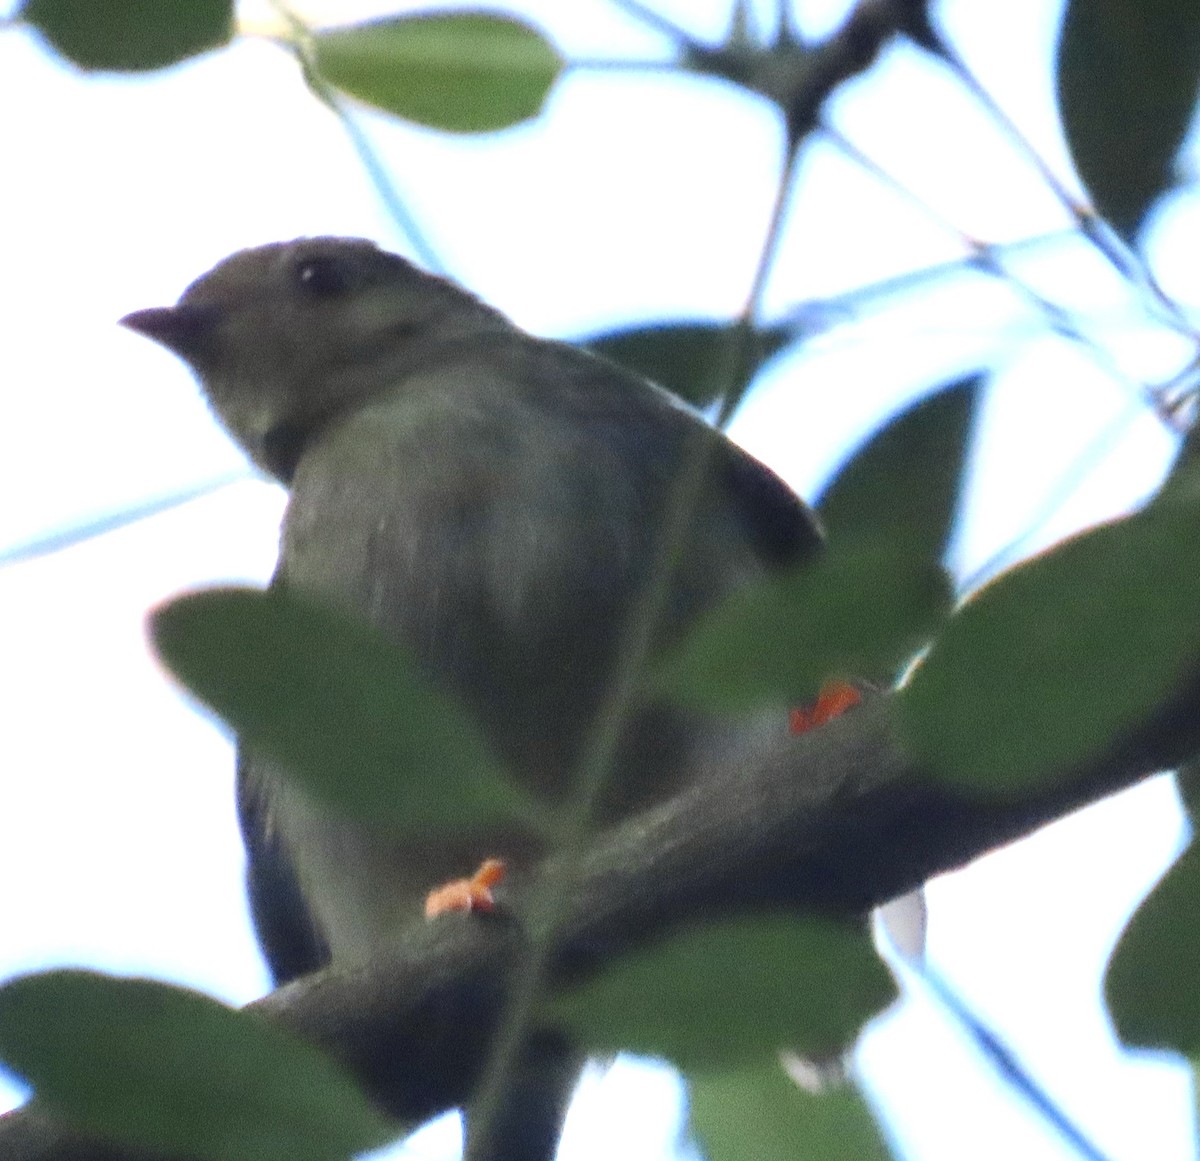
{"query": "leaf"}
pixel 1128 74
pixel 172 1071
pixel 130 35
pixel 904 483
pixel 465 72
pixel 1052 662
pixel 347 712
pixel 875 598
pixel 1151 980
pixel 759 1114
pixel 729 994
pixel 692 359
pixel 857 612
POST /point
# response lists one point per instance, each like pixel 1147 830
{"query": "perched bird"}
pixel 489 498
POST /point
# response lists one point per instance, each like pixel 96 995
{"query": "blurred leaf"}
pixel 694 360
pixel 1128 75
pixel 1151 980
pixel 344 710
pixel 130 35
pixel 759 1114
pixel 166 1069
pixel 904 482
pixel 1054 660
pixel 858 611
pixel 872 601
pixel 465 72
pixel 728 994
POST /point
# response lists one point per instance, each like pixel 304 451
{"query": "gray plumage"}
pixel 491 499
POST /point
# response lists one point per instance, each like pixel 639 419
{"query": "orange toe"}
pixel 835 698
pixel 473 894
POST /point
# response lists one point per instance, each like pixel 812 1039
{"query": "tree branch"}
pixel 837 821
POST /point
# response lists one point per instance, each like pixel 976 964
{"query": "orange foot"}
pixel 835 698
pixel 473 894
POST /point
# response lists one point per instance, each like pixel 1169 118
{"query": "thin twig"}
pixel 851 303
pixel 73 534
pixel 388 194
pixel 1124 260
pixel 1006 1062
pixel 984 256
pixel 655 20
pixel 300 45
pixel 618 64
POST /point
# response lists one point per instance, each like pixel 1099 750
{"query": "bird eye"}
pixel 323 276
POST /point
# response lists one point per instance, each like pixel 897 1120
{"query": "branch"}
pixel 837 821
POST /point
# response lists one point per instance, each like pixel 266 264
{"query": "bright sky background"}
pixel 635 195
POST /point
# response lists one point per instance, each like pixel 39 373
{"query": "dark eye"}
pixel 323 276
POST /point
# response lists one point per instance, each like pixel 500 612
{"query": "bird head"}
pixel 284 337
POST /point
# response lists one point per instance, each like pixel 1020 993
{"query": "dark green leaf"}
pixel 1053 661
pixel 904 483
pixel 760 1114
pixel 347 712
pixel 860 611
pixel 166 1069
pixel 1128 74
pixel 730 994
pixel 1151 981
pixel 694 360
pixel 466 72
pixel 130 35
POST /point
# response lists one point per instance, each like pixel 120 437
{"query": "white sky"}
pixel 635 196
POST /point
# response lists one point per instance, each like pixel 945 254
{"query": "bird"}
pixel 493 501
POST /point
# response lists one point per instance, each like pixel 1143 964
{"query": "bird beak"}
pixel 186 329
